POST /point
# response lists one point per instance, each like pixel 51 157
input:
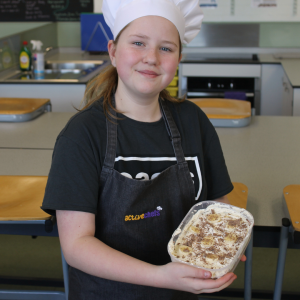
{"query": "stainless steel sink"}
pixel 73 65
pixel 62 71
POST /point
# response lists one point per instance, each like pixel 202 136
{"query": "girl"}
pixel 129 166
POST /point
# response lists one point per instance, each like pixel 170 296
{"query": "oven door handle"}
pixel 212 94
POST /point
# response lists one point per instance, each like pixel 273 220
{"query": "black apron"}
pixel 138 218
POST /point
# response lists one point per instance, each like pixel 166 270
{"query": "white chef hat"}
pixel 186 15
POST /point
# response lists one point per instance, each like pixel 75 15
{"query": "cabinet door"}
pixel 287 96
pixel 276 91
pixel 296 108
pixel 271 90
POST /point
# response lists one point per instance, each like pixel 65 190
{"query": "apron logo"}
pixel 133 163
pixel 146 215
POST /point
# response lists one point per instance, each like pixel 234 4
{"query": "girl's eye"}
pixel 138 43
pixel 166 49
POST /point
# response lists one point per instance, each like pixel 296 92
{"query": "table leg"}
pixel 248 270
pixel 284 237
pixel 65 274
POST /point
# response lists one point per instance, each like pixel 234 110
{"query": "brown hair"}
pixel 105 84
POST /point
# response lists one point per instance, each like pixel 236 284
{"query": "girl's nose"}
pixel 151 57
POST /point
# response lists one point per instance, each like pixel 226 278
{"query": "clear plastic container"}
pixel 216 273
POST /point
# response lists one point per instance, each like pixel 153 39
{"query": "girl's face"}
pixel 146 55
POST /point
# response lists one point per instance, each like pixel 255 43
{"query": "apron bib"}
pixel 138 218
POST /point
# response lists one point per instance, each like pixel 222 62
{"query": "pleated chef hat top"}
pixel 186 15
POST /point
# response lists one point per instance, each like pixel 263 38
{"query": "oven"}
pixel 221 80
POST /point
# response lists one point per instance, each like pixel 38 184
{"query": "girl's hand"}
pixel 182 277
pixel 243 258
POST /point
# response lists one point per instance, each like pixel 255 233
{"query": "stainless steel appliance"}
pixel 214 76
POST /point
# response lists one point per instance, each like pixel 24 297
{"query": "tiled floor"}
pixel 23 256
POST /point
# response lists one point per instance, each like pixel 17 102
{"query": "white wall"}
pixel 244 12
pixel 98 6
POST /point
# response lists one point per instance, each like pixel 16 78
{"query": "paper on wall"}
pixel 208 3
pixel 264 3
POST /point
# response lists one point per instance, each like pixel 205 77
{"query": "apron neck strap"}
pixel 172 131
pixel 112 129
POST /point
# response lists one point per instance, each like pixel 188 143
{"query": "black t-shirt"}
pixel 143 151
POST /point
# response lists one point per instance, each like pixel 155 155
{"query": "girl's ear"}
pixel 180 57
pixel 112 51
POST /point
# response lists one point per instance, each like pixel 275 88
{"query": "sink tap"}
pixel 48 50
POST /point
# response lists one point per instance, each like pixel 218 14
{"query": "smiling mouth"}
pixel 147 73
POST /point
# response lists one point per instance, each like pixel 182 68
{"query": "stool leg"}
pixel 65 274
pixel 248 270
pixel 284 236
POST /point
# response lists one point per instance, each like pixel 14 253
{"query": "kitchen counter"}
pixel 57 56
pixel 64 85
pixel 291 66
pixel 264 156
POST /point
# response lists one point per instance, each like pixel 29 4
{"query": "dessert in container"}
pixel 226 216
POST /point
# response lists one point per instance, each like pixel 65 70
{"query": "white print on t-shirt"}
pixel 145 176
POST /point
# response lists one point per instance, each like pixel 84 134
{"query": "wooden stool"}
pixel 22 109
pixel 291 195
pixel 291 206
pixel 225 112
pixel 20 200
pixel 238 197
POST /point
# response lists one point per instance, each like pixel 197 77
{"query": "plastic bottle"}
pixel 25 58
pixel 7 56
pixel 38 59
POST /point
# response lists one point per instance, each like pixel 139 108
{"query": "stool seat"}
pixel 239 195
pixel 292 198
pixel 12 106
pixel 22 109
pixel 225 112
pixel 291 223
pixel 218 108
pixel 21 198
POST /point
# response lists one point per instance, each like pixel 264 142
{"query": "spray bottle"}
pixel 38 59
